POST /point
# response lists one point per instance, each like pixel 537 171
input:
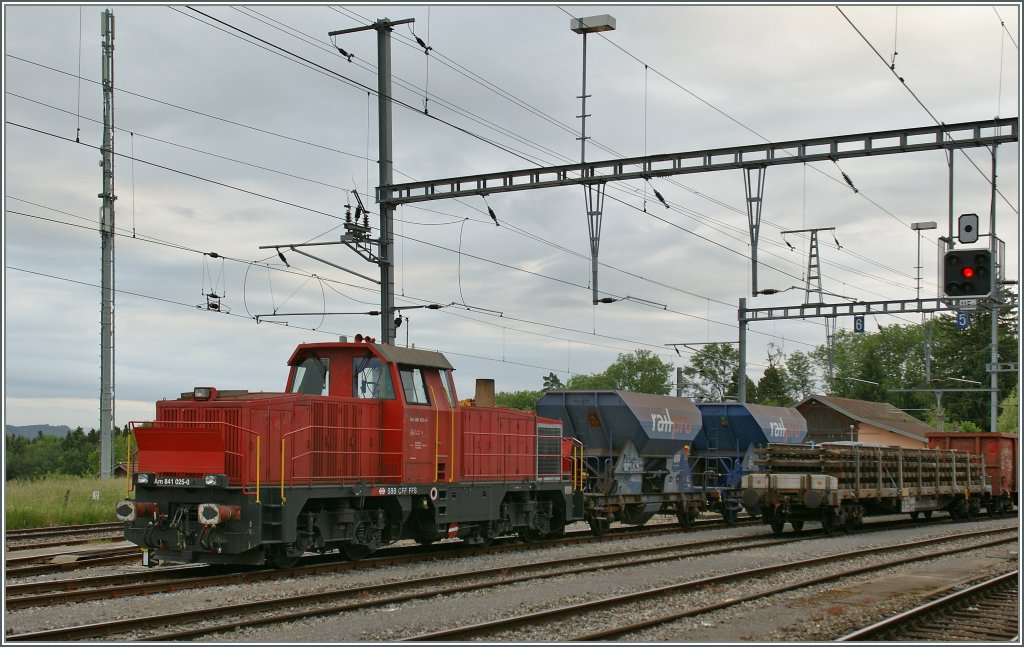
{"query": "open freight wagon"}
pixel 1001 455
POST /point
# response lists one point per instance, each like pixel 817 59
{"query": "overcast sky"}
pixel 236 145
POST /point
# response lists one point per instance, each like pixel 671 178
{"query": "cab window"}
pixel 371 379
pixel 448 391
pixel 413 385
pixel 311 377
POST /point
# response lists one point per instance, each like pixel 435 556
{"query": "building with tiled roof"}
pixel 831 418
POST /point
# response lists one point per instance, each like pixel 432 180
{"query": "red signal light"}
pixel 967 272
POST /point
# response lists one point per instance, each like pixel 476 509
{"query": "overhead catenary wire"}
pixel 325 213
pixel 324 281
pixel 367 158
pixel 571 130
pixel 925 108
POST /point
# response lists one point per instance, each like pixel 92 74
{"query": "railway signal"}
pixel 967 273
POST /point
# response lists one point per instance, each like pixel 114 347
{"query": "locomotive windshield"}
pixel 310 377
pixel 371 379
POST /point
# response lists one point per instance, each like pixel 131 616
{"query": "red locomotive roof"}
pixel 388 353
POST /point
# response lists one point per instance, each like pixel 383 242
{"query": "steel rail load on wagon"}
pixel 839 484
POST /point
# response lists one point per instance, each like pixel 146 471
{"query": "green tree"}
pixel 1008 421
pixel 802 382
pixel 590 382
pixel 551 382
pixel 641 372
pixel 712 373
pixel 521 400
pixel 773 387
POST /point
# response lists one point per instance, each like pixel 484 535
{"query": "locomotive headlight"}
pixel 202 392
pixel 215 480
pixel 143 478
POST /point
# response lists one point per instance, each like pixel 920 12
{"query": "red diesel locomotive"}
pixel 368 445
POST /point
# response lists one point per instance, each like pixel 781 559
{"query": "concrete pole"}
pixel 387 209
pixel 997 275
pixel 741 380
pixel 107 250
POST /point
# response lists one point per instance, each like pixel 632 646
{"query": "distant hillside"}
pixel 31 431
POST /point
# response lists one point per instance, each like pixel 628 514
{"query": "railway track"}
pixel 22 567
pixel 631 605
pixel 59 536
pixel 203 621
pixel 987 611
pixel 171 578
pixel 62 531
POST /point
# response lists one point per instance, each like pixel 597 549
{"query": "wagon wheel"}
pixel 778 522
pixel 798 524
pixel 914 515
pixel 354 552
pixel 729 515
pixel 599 525
pixel 279 556
pixel 828 522
pixel 527 535
pixel 685 519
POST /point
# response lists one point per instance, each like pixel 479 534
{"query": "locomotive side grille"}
pixel 324 418
pixel 549 452
pixel 344 441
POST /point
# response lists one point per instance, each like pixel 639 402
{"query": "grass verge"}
pixel 61 501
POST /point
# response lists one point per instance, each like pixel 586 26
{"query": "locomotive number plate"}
pixel 178 481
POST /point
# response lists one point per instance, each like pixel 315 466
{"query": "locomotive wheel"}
pixel 557 524
pixel 914 515
pixel 354 552
pixel 798 524
pixel 279 557
pixel 927 514
pixel 600 525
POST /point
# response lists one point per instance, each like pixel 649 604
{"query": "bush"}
pixel 61 501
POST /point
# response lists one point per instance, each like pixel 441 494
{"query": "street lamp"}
pixel 589 25
pixel 919 227
pixel 593 192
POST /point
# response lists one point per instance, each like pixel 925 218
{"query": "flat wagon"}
pixel 839 484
